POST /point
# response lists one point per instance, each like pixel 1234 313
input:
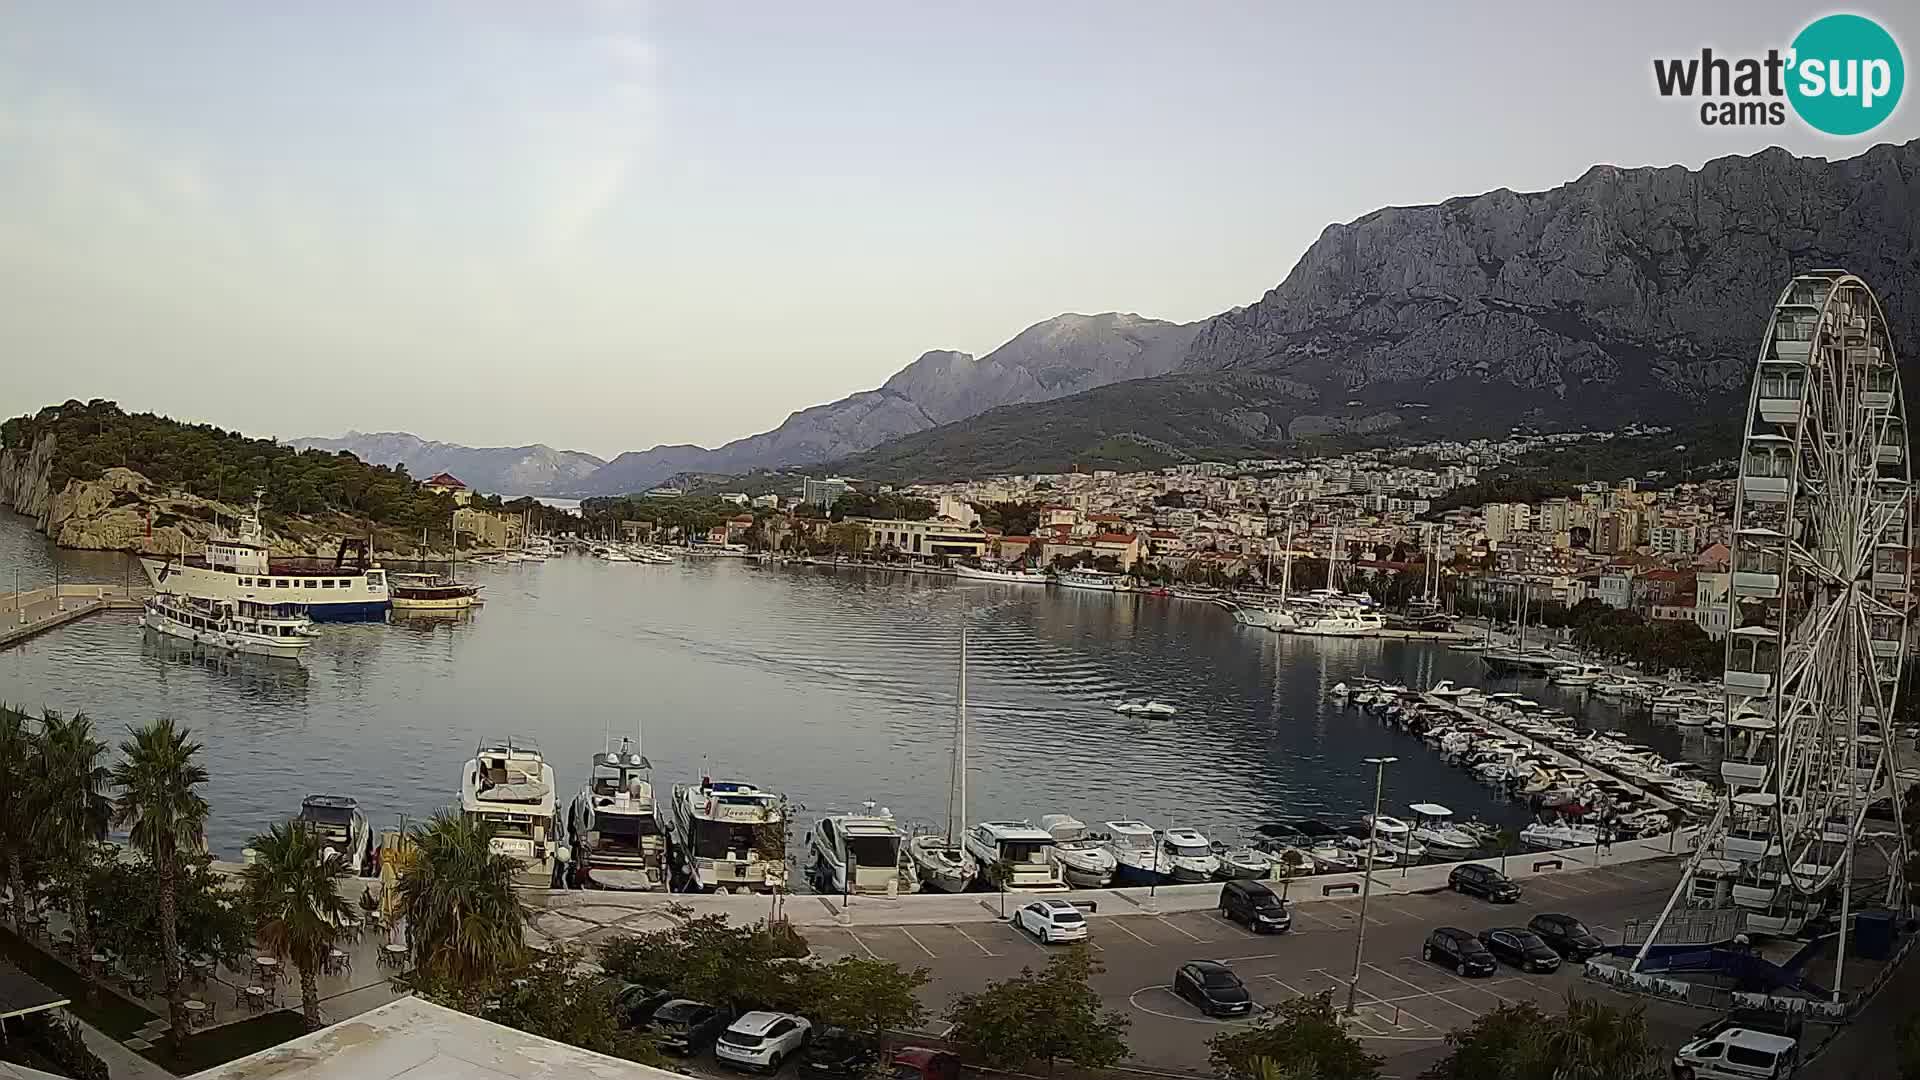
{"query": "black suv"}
pixel 1455 948
pixel 687 1027
pixel 1521 948
pixel 1566 935
pixel 839 1054
pixel 1477 880
pixel 1253 905
pixel 1213 987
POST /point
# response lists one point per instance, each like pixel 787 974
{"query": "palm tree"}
pixel 1595 1041
pixel 157 800
pixel 71 812
pixel 293 886
pixel 17 748
pixel 464 919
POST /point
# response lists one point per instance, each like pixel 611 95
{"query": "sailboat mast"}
pixel 1286 563
pixel 957 790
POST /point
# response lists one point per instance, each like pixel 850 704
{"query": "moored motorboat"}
pixel 1434 827
pixel 613 825
pixel 1136 852
pixel 1015 856
pixel 1005 576
pixel 1140 707
pixel 1086 863
pixel 729 836
pixel 1243 863
pixel 430 592
pixel 1187 856
pixel 860 853
pixel 509 785
pixel 341 826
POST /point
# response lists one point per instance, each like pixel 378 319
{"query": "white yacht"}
pixel 231 626
pixel 1015 855
pixel 859 853
pixel 1329 855
pixel 1010 577
pixel 1577 675
pixel 509 785
pixel 1136 852
pixel 729 836
pixel 1139 707
pixel 338 820
pixel 1559 836
pixel 1188 856
pixel 239 567
pixel 1434 827
pixel 938 862
pixel 613 825
pixel 1352 624
pixel 1446 691
pixel 1096 580
pixel 1085 862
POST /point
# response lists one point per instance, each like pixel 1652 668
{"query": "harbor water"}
pixel 834 686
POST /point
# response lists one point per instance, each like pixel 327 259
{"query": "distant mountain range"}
pixel 509 470
pixel 1624 295
pixel 1060 356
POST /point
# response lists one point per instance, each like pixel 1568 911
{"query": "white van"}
pixel 1737 1054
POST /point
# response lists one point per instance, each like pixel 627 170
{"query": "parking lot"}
pixel 1406 1006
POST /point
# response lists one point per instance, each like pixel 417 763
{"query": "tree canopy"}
pixel 1590 1041
pixel 889 507
pixel 1047 1016
pixel 1303 1034
pixel 214 463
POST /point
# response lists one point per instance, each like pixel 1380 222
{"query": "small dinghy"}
pixel 1243 863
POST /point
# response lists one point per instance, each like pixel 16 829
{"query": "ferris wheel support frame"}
pixel 1816 586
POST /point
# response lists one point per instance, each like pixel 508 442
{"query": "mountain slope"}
pixel 509 470
pixel 1627 294
pixel 1060 356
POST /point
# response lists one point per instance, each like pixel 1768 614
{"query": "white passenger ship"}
pixel 231 626
pixel 238 568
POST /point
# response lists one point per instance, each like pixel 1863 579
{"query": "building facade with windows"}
pixel 934 539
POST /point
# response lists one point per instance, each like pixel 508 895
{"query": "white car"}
pixel 762 1040
pixel 1053 920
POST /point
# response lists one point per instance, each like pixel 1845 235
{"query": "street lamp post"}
pixel 1366 879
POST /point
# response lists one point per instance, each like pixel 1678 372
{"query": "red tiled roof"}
pixel 1016 539
pixel 445 480
pixel 1114 538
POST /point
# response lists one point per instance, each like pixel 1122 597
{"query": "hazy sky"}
pixel 614 225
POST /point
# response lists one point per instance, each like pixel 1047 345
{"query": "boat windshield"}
pixel 1189 849
pixel 874 850
pixel 719 839
pixel 1023 851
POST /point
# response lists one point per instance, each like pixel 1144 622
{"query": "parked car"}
pixel 762 1040
pixel 1737 1054
pixel 1450 946
pixel 636 1004
pixel 1253 905
pixel 839 1054
pixel 1521 948
pixel 1052 921
pixel 1213 987
pixel 1474 879
pixel 1566 935
pixel 921 1063
pixel 683 1026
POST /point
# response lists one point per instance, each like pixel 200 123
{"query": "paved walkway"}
pixel 122 1063
pixel 34 611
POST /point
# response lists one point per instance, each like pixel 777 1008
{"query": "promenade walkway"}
pixel 35 611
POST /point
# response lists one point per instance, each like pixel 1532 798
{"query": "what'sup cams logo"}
pixel 1842 75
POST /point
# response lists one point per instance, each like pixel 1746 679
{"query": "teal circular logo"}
pixel 1847 74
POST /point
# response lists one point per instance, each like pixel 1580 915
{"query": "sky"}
pixel 609 225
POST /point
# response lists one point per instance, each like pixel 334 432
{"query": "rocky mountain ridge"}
pixel 1063 355
pixel 1625 294
pixel 510 470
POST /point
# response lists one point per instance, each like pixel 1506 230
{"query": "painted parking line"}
pixel 916 941
pixel 1184 930
pixel 1289 987
pixel 976 942
pixel 871 955
pixel 1423 991
pixel 1120 925
pixel 1468 983
pixel 1378 1003
pixel 1328 923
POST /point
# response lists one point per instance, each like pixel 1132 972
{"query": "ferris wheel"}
pixel 1818 593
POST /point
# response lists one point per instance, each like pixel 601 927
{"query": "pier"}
pixel 34 611
pixel 1560 757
